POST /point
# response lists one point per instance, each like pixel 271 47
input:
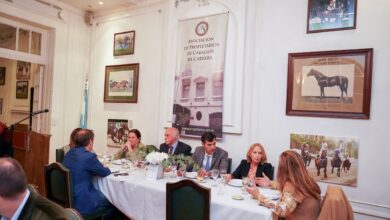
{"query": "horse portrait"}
pixel 336 162
pixel 117 131
pixel 325 81
pixel 322 162
pixel 305 154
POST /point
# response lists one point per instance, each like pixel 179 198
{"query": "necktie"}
pixel 207 166
pixel 170 151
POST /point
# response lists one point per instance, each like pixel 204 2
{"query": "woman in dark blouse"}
pixel 254 166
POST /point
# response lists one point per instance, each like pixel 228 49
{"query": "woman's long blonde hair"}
pixel 292 169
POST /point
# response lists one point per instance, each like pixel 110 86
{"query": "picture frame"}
pixel 117 131
pixel 2 76
pixel 121 83
pixel 23 70
pixel 331 15
pixel 22 89
pixel 124 43
pixel 1 106
pixel 335 84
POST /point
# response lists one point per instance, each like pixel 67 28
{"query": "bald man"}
pixel 172 145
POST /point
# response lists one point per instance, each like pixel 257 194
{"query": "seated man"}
pixel 5 141
pixel 83 165
pixel 209 156
pixel 17 202
pixel 172 144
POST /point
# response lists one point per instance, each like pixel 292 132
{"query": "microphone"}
pixel 40 111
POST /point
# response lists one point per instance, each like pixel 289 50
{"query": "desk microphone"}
pixel 40 111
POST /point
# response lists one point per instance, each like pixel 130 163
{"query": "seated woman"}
pixel 300 197
pixel 131 148
pixel 254 166
pixel 71 144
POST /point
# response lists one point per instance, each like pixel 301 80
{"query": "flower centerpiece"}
pixel 181 162
pixel 155 160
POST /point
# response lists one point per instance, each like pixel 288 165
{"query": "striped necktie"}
pixel 170 151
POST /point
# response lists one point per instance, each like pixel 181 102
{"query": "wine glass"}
pixel 223 174
pixel 174 170
pixel 214 175
pixel 245 181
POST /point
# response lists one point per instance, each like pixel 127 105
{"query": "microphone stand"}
pixel 12 128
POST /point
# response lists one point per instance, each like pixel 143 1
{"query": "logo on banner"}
pixel 202 28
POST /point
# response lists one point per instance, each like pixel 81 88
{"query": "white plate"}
pixel 235 182
pixel 114 169
pixel 191 175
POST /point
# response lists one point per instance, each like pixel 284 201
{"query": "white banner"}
pixel 198 95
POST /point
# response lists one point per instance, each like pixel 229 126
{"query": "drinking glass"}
pixel 174 170
pixel 223 174
pixel 214 174
pixel 245 181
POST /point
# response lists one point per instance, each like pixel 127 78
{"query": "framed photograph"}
pixel 117 131
pixel 23 70
pixel 124 43
pixel 2 76
pixel 331 15
pixel 333 84
pixel 328 159
pixel 121 83
pixel 21 89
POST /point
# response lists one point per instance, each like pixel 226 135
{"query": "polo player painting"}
pixel 328 159
pixel 334 84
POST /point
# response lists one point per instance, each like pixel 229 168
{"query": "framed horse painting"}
pixel 331 15
pixel 121 83
pixel 334 84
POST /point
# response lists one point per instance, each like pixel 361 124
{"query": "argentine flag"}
pixel 84 108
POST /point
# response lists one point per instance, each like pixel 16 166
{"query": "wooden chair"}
pixel 60 154
pixel 187 200
pixel 59 188
pixel 335 205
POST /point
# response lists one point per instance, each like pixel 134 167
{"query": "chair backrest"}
pixel 272 173
pixel 73 214
pixel 229 165
pixel 60 153
pixel 187 200
pixel 335 205
pixel 58 184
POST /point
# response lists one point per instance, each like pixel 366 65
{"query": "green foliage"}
pixel 180 160
pixel 143 151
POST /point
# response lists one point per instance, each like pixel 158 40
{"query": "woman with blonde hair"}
pixel 254 166
pixel 300 197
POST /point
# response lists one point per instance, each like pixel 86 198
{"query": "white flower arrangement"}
pixel 156 157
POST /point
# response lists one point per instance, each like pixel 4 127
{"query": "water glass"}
pixel 214 174
pixel 223 174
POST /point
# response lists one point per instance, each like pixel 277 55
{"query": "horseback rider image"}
pixel 323 151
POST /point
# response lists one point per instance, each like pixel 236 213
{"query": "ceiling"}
pixel 108 5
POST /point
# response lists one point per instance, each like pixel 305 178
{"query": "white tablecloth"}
pixel 143 199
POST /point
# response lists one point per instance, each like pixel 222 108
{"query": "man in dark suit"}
pixel 209 156
pixel 172 144
pixel 17 202
pixel 84 165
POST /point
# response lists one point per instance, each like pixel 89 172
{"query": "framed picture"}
pixel 2 76
pixel 23 70
pixel 21 89
pixel 333 84
pixel 124 43
pixel 117 131
pixel 121 83
pixel 331 15
pixel 328 159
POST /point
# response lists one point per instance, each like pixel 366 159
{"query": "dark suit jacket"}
pixel 243 170
pixel 219 161
pixel 83 165
pixel 181 148
pixel 39 208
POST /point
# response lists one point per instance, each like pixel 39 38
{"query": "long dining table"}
pixel 142 199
